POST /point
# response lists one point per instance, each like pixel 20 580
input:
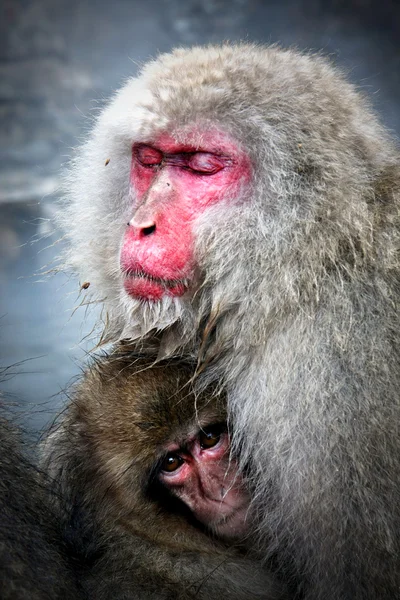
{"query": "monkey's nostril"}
pixel 148 230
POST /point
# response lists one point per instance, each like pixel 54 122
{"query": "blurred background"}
pixel 59 61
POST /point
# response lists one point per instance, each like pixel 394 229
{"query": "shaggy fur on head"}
pixel 296 308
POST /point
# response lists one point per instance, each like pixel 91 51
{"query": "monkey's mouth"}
pixel 142 285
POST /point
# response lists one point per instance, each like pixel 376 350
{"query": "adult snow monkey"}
pixel 241 204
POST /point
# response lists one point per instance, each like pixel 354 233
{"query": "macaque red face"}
pixel 206 478
pixel 173 184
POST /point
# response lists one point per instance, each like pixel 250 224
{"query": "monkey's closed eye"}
pixel 148 156
pixel 205 163
pixel 171 463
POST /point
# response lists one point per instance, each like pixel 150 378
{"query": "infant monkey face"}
pixel 202 473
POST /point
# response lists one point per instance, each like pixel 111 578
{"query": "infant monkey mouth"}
pixel 168 283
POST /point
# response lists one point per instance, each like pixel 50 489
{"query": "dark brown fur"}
pixel 34 562
pixel 133 540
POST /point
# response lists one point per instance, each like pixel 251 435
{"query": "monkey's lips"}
pixel 144 286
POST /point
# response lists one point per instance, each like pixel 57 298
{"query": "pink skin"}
pixel 208 482
pixel 174 184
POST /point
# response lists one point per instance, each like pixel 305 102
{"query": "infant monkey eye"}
pixel 171 463
pixel 210 436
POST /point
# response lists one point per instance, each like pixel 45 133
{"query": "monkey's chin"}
pixel 233 526
pixel 153 289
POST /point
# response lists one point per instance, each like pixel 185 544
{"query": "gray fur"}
pixel 299 279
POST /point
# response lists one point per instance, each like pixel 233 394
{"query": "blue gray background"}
pixel 59 61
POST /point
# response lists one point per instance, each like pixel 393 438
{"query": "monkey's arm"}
pixel 328 431
pixel 133 568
